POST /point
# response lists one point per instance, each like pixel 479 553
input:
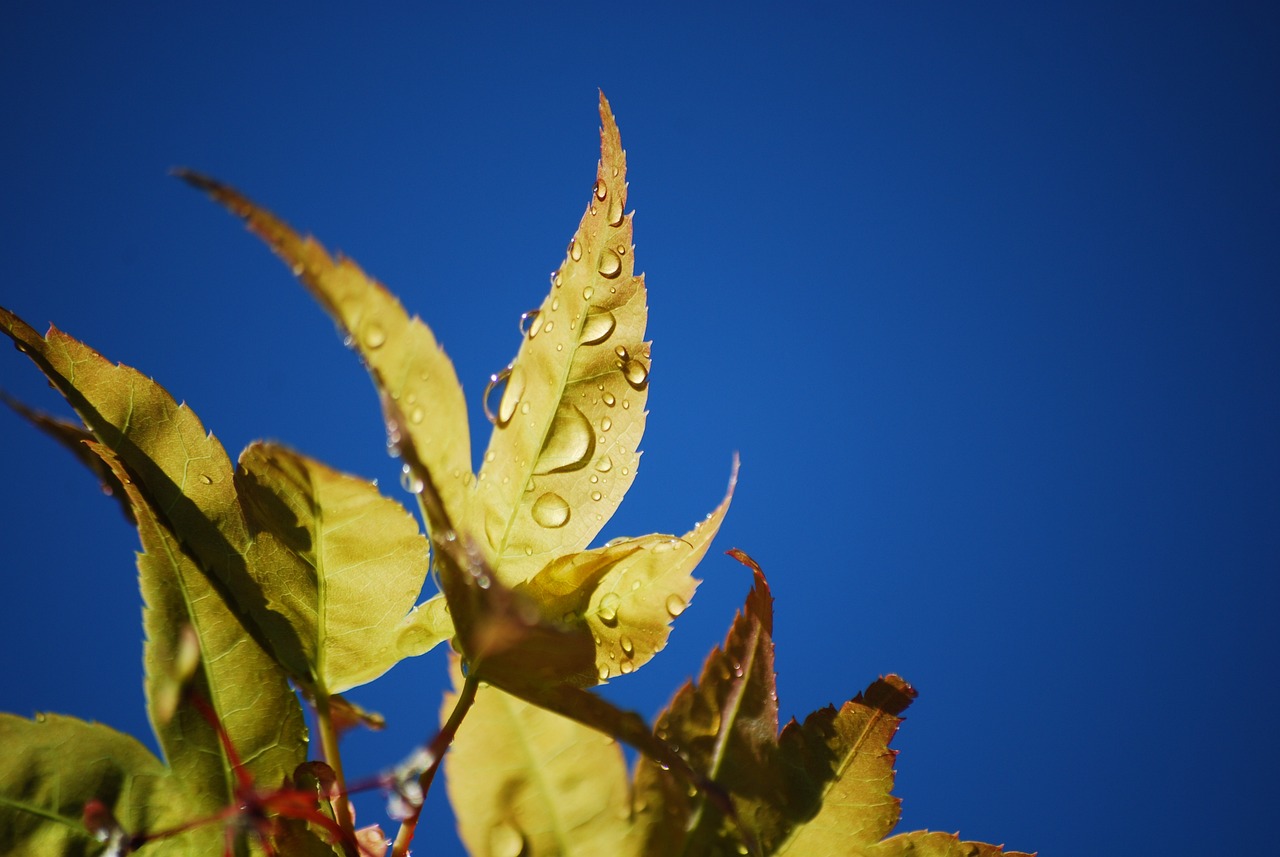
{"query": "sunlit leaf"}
pixel 347 563
pixel 410 365
pixel 629 591
pixel 571 413
pixel 243 684
pixel 181 468
pixel 526 782
pixel 54 766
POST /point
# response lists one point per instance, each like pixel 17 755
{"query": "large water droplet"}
pixel 506 841
pixel 676 604
pixel 529 323
pixel 570 443
pixel 374 336
pixel 605 464
pixel 628 648
pixel 609 399
pixel 551 511
pixel 410 482
pixel 622 352
pixel 615 212
pixel 606 424
pixel 587 293
pixel 610 264
pixel 603 673
pixel 609 605
pixel 598 327
pixel 511 395
pixel 601 189
pixel 575 250
pixel 636 373
pixel 494 380
pixel 627 667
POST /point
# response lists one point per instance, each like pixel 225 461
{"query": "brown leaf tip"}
pixel 890 694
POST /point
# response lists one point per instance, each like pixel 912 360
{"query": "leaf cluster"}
pixel 277 580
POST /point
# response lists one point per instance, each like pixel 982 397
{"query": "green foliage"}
pixel 280 573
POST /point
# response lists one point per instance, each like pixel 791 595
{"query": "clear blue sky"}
pixel 987 296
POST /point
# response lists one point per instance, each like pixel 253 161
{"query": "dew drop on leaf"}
pixel 529 323
pixel 615 212
pixel 606 424
pixel 609 608
pixel 596 495
pixel 610 265
pixel 628 648
pixel 575 250
pixel 598 327
pixel 622 352
pixel 605 464
pixel 506 841
pixel 206 478
pixel 603 673
pixel 587 293
pixel 636 373
pixel 627 667
pixel 601 189
pixel 570 442
pixel 610 400
pixel 510 396
pixel 374 335
pixel 550 510
pixel 676 604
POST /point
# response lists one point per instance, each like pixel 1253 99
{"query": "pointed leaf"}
pixel 726 725
pixel 55 765
pixel 525 781
pixel 348 562
pixel 402 352
pixel 632 590
pixel 243 684
pixel 569 421
pixel 182 469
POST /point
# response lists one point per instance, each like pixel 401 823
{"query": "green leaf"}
pixel 402 353
pixel 55 765
pixel 243 684
pixel 568 424
pixel 181 469
pixel 524 781
pixel 348 564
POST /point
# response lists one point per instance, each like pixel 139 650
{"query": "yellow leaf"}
pixel 346 563
pixel 528 782
pixel 401 352
pixel 568 423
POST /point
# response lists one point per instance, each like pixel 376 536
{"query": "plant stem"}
pixel 435 751
pixel 329 746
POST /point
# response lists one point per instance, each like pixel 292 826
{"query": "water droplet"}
pixel 596 495
pixel 626 404
pixel 622 249
pixel 601 189
pixel 374 335
pixel 570 442
pixel 524 407
pixel 551 511
pixel 666 547
pixel 416 415
pixel 609 608
pixel 555 304
pixel 548 327
pixel 627 667
pixel 615 212
pixel 529 323
pixel 610 264
pixel 628 648
pixel 605 464
pixel 635 586
pixel 575 250
pixel 490 455
pixel 622 352
pixel 587 293
pixel 494 380
pixel 606 424
pixel 676 605
pixel 557 281
pixel 636 373
pixel 506 841
pixel 609 399
pixel 598 327
pixel 511 395
pixel 410 482
pixel 603 673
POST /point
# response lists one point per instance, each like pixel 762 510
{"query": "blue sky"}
pixel 987 297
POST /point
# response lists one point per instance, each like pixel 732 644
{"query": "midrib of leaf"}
pixel 849 758
pixel 544 788
pixel 727 719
